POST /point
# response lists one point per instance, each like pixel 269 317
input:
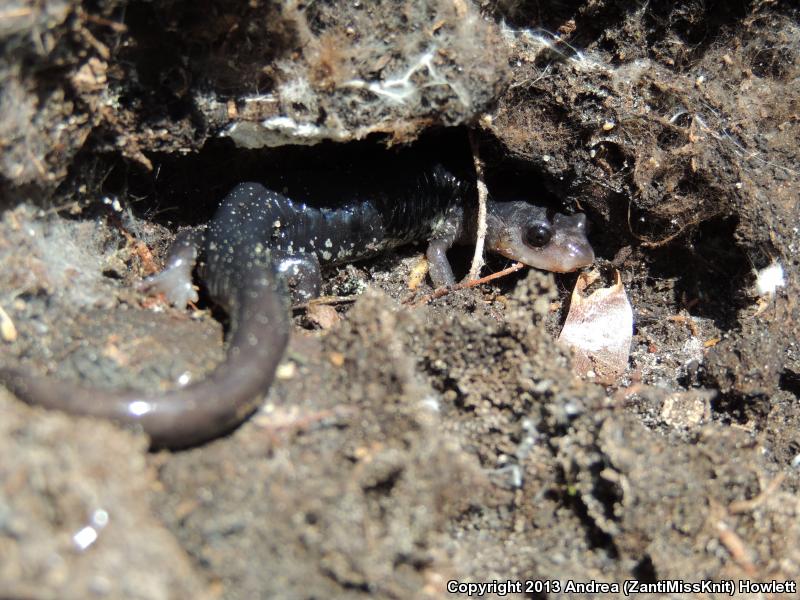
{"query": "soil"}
pixel 404 445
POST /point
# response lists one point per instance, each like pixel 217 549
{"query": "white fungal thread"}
pixel 400 89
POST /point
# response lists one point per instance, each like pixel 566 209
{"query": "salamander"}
pixel 263 248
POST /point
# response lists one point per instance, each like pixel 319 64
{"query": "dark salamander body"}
pixel 261 242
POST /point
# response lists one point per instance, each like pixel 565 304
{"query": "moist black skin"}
pixel 262 247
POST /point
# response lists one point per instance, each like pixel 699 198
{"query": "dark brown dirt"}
pixel 407 446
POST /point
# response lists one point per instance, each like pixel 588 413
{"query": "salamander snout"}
pixel 558 244
pixel 569 247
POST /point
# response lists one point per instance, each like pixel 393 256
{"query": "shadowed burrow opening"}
pixel 187 189
pixel 740 407
pixel 711 272
pixel 790 382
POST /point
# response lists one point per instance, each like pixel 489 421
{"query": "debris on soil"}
pixel 770 279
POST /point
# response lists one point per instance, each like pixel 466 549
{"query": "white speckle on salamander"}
pixel 139 407
pixel 326 255
pixel 328 243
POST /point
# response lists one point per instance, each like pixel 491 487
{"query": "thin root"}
pixel 443 291
pixel 483 192
pixel 736 547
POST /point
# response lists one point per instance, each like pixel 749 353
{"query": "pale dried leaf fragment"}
pixel 7 329
pixel 418 273
pixel 599 329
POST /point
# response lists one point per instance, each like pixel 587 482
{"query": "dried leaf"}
pixel 418 273
pixel 599 329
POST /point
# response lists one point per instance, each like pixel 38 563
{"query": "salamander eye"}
pixel 538 235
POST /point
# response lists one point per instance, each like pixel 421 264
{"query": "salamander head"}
pixel 523 232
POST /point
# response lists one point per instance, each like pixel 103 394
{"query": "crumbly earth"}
pixel 402 445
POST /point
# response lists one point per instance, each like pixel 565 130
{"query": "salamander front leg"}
pixel 439 267
pixel 175 281
pixel 302 275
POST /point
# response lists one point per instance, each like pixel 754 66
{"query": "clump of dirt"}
pixel 348 70
pixel 547 442
pixel 679 141
pixel 141 77
pixel 76 522
pixel 403 446
pixel 314 483
pixel 53 74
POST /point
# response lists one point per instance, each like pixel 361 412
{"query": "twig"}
pixel 740 506
pixel 483 192
pixel 15 13
pixel 114 25
pixel 736 547
pixel 99 46
pixel 443 291
pixel 325 300
pixel 717 517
